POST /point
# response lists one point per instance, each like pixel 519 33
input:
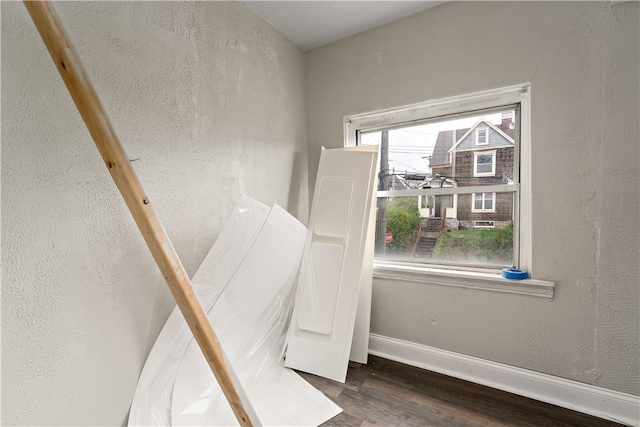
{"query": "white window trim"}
pixel 491 153
pixel 473 203
pixel 470 278
pixel 486 140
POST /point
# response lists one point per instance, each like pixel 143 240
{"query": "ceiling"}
pixel 309 24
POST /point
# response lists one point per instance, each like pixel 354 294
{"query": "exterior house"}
pixel 480 155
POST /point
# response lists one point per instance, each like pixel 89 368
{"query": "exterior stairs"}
pixel 425 247
pixel 432 225
pixel 427 238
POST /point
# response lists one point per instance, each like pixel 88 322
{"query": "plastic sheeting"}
pixel 246 285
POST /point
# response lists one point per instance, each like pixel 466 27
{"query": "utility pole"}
pixel 383 184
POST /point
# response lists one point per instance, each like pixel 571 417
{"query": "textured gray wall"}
pixel 582 61
pixel 211 100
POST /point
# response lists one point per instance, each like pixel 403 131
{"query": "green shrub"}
pixel 403 218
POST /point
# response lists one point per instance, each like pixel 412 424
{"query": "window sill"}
pixel 463 279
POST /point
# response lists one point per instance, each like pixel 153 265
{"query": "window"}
pixel 485 224
pixel 484 163
pixel 483 202
pixel 452 198
pixel 426 190
pixel 482 137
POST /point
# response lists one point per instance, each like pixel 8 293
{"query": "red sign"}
pixel 388 237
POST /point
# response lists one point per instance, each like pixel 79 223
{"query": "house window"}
pixel 484 163
pixel 438 182
pixel 482 137
pixel 484 224
pixel 483 202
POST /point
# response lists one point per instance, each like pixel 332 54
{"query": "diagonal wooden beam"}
pixel 86 99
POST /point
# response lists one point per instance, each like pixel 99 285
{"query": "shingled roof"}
pixel 444 142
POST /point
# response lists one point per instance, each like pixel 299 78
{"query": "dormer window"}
pixel 482 136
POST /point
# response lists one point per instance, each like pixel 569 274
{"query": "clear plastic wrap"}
pixel 152 399
pixel 251 318
pixel 246 285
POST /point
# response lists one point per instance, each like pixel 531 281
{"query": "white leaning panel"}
pixel 322 325
pixel 360 342
pixel 251 318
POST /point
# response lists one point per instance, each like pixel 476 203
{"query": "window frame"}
pixel 486 136
pixel 483 210
pixel 477 154
pixel 462 105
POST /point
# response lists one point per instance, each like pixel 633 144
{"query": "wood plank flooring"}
pixel 387 393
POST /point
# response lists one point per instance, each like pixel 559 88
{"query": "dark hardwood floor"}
pixel 387 393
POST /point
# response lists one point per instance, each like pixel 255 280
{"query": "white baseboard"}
pixel 608 404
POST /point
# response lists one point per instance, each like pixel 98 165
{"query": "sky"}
pixel 409 147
